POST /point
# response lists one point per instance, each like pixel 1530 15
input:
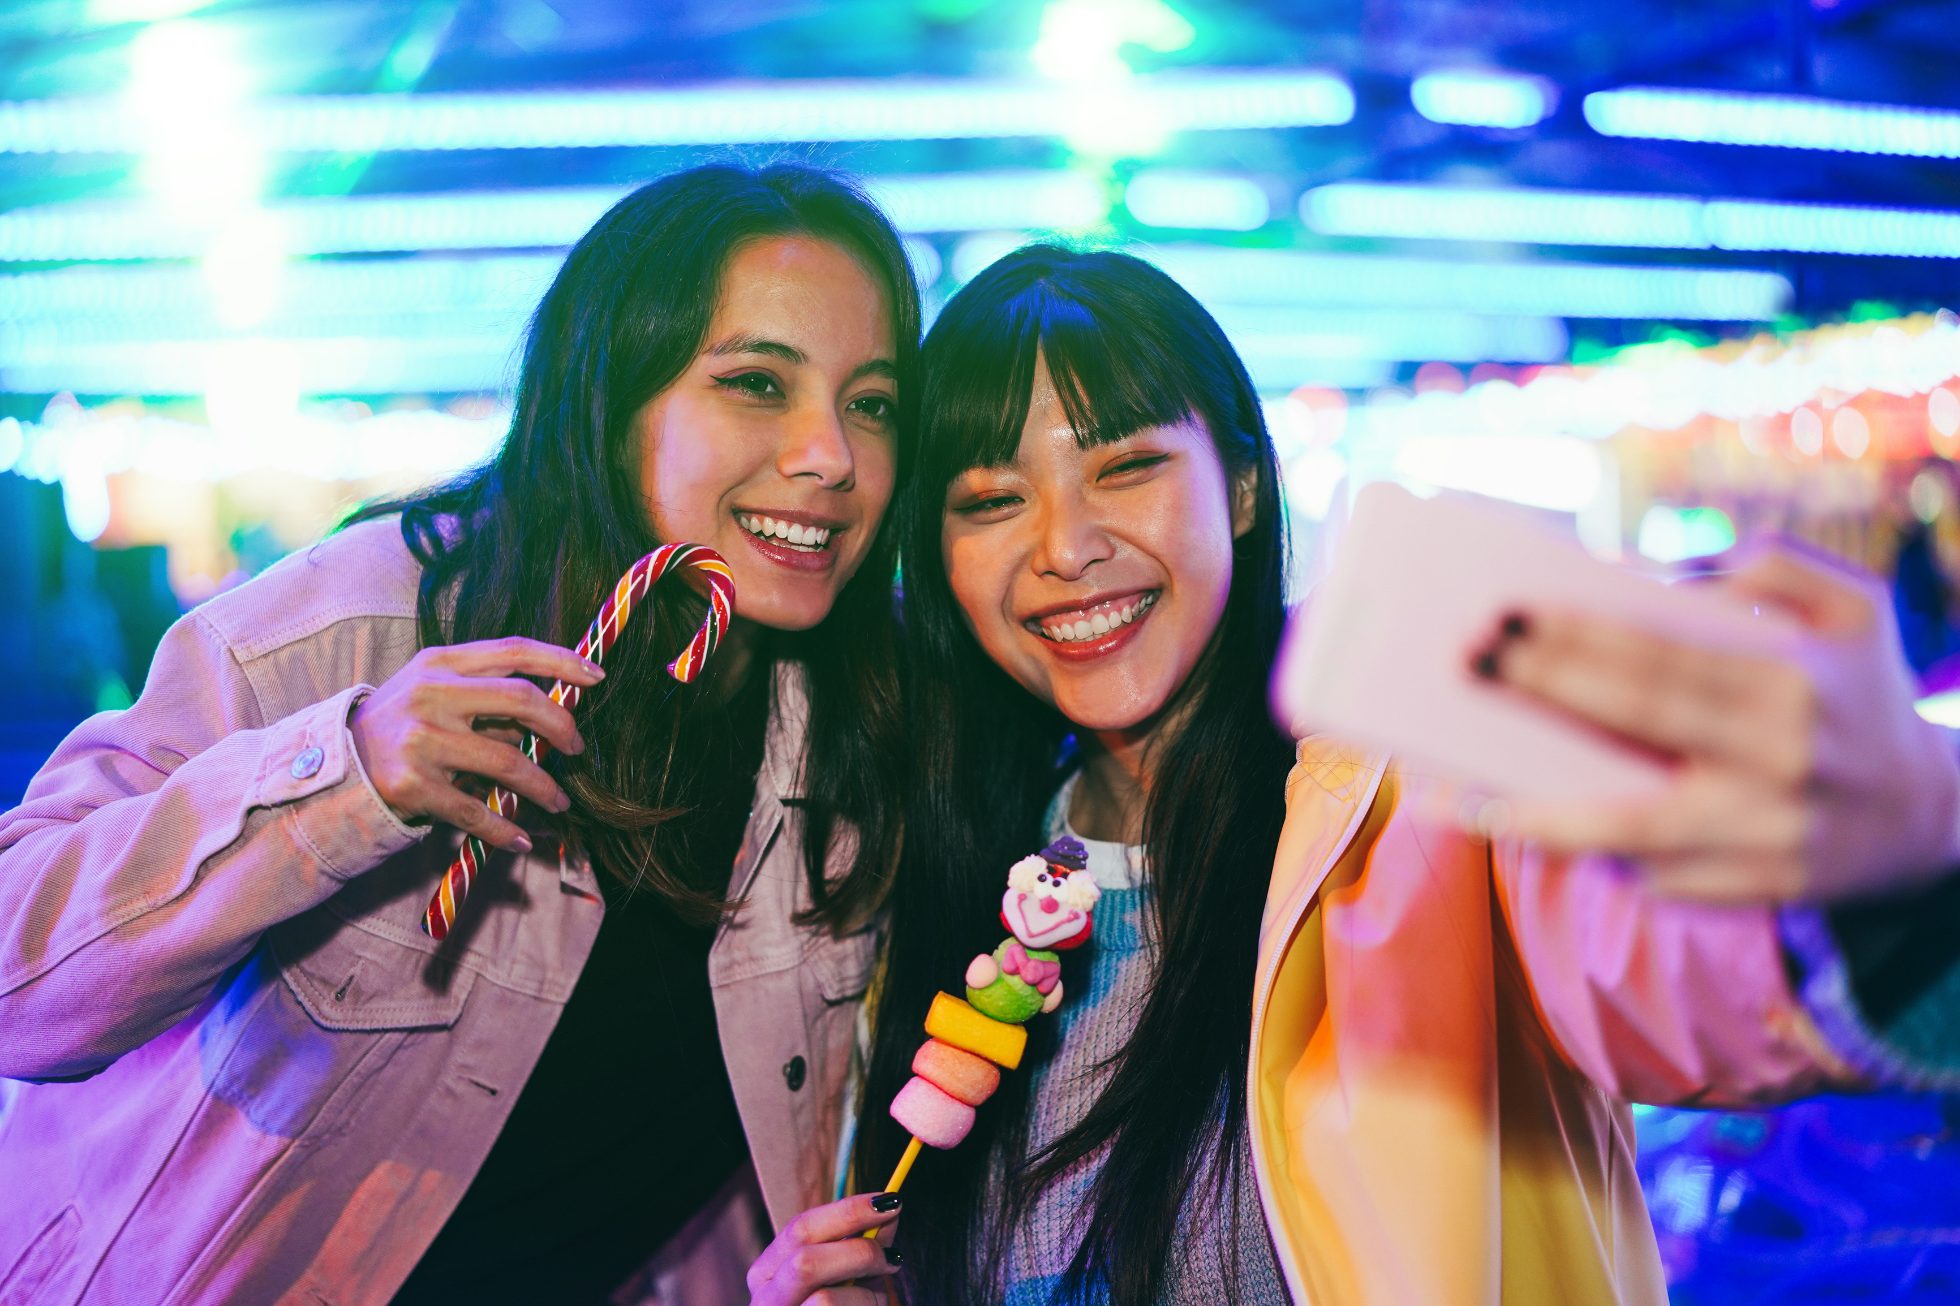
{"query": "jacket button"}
pixel 793 1073
pixel 306 763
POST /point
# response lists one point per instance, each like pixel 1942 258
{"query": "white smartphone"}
pixel 1380 653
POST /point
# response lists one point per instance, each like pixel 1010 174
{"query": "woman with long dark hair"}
pixel 1320 1046
pixel 252 1076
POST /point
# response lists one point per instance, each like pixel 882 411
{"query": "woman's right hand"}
pixel 820 1255
pixel 460 710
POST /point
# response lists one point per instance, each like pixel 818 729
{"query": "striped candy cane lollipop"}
pixel 599 638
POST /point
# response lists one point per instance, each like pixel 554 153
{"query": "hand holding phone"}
pixel 1752 738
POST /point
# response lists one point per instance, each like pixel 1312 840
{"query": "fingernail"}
pixel 521 843
pixel 885 1202
pixel 598 672
pixel 564 801
pixel 1515 625
pixel 893 1256
pixel 578 743
pixel 1485 664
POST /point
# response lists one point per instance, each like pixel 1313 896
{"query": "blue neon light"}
pixel 727 114
pixel 1482 99
pixel 1554 217
pixel 1787 121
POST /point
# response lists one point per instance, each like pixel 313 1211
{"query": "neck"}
pixel 1114 791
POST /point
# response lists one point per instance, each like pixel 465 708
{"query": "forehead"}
pixel 811 289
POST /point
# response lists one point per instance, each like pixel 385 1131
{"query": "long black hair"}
pixel 531 542
pixel 1127 348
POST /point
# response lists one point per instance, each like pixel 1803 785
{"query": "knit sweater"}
pixel 1095 1022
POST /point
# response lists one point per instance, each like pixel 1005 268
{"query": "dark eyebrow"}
pixel 744 344
pixel 876 367
pixel 747 344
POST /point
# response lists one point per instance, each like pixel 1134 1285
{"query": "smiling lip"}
pixel 1098 646
pixel 798 555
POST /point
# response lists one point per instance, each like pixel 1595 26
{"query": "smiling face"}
pixel 775 447
pixel 1095 577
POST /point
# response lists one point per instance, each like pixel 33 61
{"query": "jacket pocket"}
pixel 352 981
pixel 49 1251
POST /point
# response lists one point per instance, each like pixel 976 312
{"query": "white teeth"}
pixel 807 537
pixel 1069 632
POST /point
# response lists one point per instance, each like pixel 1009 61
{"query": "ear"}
pixel 1245 499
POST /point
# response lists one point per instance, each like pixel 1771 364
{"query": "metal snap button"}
pixel 306 764
pixel 794 1072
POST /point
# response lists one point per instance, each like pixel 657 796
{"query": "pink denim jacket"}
pixel 242 1072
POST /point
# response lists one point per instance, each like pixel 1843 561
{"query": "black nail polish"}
pixel 893 1256
pixel 1485 664
pixel 885 1202
pixel 1515 625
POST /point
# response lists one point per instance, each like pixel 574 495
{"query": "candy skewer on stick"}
pixel 1048 908
pixel 599 639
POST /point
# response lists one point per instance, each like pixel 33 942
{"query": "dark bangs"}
pixel 1115 372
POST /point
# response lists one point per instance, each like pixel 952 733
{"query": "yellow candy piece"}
pixel 953 1021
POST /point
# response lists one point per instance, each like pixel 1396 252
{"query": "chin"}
pixel 778 615
pixel 1106 717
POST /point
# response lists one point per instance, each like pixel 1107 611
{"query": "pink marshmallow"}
pixel 930 1115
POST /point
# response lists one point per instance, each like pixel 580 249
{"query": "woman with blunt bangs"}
pixel 1321 1049
pixel 247 1073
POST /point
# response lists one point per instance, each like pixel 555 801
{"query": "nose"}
pixel 1048 906
pixel 816 445
pixel 1071 542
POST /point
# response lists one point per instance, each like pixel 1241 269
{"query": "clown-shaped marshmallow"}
pixel 1050 896
pixel 1049 906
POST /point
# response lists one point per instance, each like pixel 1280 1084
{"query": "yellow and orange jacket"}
pixel 1446 1036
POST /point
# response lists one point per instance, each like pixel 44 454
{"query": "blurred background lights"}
pixel 1577 217
pixel 187 95
pixel 1482 99
pixel 1557 473
pixel 1850 432
pixel 747 113
pixel 1787 121
pixel 1670 534
pixel 1083 40
pixel 1163 197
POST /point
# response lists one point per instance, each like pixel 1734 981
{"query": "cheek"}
pixel 876 465
pixel 1194 539
pixel 690 462
pixel 967 575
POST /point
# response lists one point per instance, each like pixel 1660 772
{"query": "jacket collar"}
pixel 1327 795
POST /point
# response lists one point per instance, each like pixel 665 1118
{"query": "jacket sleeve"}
pixel 155 846
pixel 1659 1000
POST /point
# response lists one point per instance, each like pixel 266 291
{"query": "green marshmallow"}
pixel 1009 998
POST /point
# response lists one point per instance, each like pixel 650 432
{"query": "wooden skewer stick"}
pixel 903 1168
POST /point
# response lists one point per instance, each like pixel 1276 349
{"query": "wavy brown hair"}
pixel 531 542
